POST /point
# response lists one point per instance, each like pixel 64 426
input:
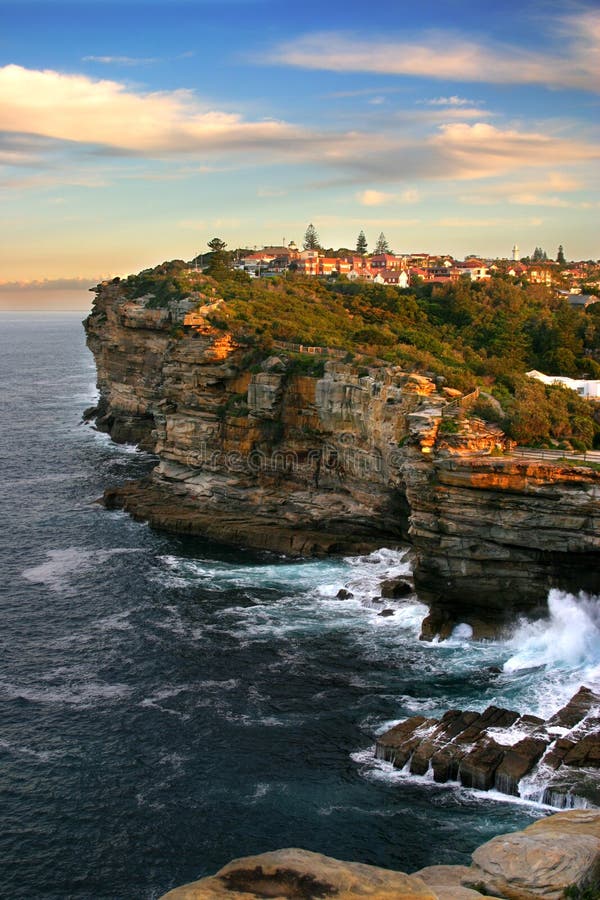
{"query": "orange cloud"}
pixel 443 55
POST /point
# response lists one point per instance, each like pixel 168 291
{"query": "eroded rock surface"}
pixel 530 865
pixel 559 758
pixel 302 875
pixel 538 863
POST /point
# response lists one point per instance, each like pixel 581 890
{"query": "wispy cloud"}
pixel 573 62
pixel 383 198
pixel 109 120
pixel 449 101
pixel 51 284
pixel 122 60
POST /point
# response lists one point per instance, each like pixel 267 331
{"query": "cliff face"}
pixel 492 535
pixel 260 454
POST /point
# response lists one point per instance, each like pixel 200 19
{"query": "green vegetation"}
pixel 311 238
pixel 579 463
pixel 361 243
pixel 166 283
pixel 382 245
pixel 485 334
pixel 449 426
pixel 582 893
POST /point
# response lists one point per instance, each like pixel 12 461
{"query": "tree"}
pixel 218 265
pixel 217 245
pixel 361 243
pixel 539 255
pixel 560 256
pixel 311 238
pixel 382 245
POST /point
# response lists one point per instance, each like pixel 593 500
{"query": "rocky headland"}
pixel 256 449
pixel 555 858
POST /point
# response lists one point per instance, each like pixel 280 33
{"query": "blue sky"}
pixel 135 132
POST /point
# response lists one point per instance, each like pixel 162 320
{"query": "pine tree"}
pixel 311 238
pixel 560 256
pixel 382 245
pixel 361 243
pixel 219 259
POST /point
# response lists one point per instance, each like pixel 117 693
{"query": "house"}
pixel 442 275
pixel 385 261
pixel 588 389
pixel 474 269
pixel 540 275
pixel 393 276
pixel 360 274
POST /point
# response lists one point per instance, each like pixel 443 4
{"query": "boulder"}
pixel 397 744
pixel 478 768
pixel 518 761
pixel 343 594
pixel 386 613
pixel 575 710
pixel 529 865
pixel 574 821
pixel 395 588
pixel 586 752
pixel 302 875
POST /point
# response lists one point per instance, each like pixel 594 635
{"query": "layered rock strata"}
pixel 254 452
pixel 555 761
pixel 559 853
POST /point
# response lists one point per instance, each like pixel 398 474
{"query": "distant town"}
pixel 576 280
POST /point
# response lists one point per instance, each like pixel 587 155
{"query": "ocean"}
pixel 168 704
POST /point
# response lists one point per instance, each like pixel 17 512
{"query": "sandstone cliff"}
pixel 554 858
pixel 255 450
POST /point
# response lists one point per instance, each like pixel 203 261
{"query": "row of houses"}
pixel 400 270
pixel 382 268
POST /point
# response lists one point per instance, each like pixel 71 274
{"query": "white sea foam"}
pixel 40 755
pixel 60 564
pixel 561 652
pixel 82 695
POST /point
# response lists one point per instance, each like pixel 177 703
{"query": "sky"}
pixel 134 132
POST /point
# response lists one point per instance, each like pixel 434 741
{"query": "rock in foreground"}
pixel 302 875
pixel 543 860
pixel 553 854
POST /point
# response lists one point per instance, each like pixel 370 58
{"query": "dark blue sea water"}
pixel 168 704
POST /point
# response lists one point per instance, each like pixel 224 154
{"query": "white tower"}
pixel 515 254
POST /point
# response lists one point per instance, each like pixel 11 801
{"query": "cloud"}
pixel 373 198
pixel 449 101
pixel 508 189
pixel 572 62
pixel 122 60
pixel 458 151
pixel 381 198
pixel 461 222
pixel 531 199
pixel 50 284
pixel 107 114
pixel 271 192
pixel 363 92
pixel 47 113
pixel 482 150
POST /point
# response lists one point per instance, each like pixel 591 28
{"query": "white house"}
pixel 395 276
pixel 589 390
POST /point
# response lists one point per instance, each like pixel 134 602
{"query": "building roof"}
pixel 582 299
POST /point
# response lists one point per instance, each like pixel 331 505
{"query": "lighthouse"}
pixel 515 253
